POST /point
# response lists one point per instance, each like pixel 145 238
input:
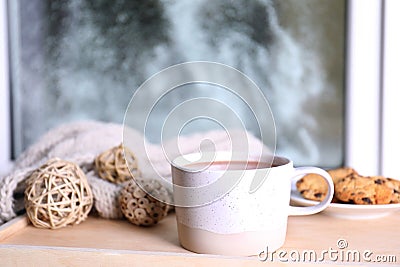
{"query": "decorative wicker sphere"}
pixel 141 208
pixel 57 194
pixel 113 166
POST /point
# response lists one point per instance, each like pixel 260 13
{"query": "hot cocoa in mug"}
pixel 229 205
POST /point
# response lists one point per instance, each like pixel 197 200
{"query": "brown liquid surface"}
pixel 229 165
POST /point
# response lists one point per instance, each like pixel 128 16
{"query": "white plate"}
pixel 347 211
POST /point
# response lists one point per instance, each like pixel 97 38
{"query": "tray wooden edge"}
pixel 13 226
pixel 11 254
pixel 22 255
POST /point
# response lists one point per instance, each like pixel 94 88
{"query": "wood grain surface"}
pixel 117 242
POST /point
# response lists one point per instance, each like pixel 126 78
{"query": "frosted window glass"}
pixel 84 59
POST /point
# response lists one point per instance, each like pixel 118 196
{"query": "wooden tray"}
pixel 118 243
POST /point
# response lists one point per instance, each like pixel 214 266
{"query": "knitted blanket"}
pixel 81 142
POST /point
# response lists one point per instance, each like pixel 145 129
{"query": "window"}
pixel 5 118
pixel 65 53
pixel 372 87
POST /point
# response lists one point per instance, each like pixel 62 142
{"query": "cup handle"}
pixel 320 206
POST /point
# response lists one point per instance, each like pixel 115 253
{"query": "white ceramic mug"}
pixel 226 218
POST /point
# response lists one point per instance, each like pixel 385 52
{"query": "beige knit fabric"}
pixel 81 142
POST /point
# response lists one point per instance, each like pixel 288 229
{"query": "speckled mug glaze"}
pixel 239 222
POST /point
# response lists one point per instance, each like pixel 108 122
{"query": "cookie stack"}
pixel 351 188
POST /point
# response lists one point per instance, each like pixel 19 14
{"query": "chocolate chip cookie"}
pixel 395 185
pixel 313 187
pixel 340 173
pixel 365 190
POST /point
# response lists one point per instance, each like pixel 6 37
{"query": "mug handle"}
pixel 320 206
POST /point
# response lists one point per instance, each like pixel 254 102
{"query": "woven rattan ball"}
pixel 112 165
pixel 139 207
pixel 57 194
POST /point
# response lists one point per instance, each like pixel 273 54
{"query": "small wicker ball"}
pixel 57 194
pixel 113 166
pixel 139 207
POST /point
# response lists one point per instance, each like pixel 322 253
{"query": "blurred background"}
pixel 83 59
pixel 80 59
